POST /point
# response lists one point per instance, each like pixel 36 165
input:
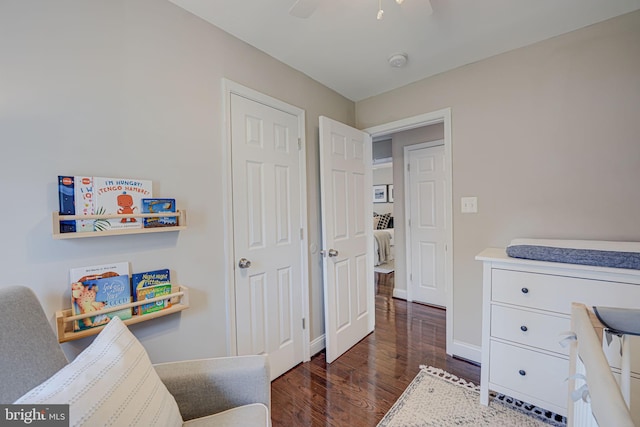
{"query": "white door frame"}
pixel 439 116
pixel 230 87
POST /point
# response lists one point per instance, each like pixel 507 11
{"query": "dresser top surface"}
pixel 499 258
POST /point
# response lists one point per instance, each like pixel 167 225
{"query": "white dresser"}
pixel 527 308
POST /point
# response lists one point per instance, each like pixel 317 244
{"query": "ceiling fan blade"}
pixel 304 8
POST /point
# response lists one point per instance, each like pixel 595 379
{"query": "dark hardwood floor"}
pixel 361 386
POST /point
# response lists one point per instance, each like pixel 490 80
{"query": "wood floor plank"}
pixel 359 387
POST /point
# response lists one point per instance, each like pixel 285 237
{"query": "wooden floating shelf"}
pixel 180 214
pixel 65 318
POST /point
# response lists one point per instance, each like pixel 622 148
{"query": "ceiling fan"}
pixel 305 8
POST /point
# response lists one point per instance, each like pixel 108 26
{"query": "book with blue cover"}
pixel 159 206
pixel 146 279
pixel 66 202
pixel 98 287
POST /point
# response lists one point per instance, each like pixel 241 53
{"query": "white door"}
pixel 267 233
pixel 426 178
pixel 347 235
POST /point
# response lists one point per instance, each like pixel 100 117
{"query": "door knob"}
pixel 244 263
pixel 333 252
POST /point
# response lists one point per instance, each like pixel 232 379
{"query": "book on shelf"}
pixel 98 287
pixel 154 291
pixel 159 206
pixel 146 279
pixel 66 202
pixel 87 195
pixel 83 202
pixel 119 196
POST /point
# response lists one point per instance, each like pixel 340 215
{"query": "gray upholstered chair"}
pixel 226 391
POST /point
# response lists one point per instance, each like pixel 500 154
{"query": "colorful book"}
pixel 119 196
pixel 154 291
pixel 84 202
pixel 146 279
pixel 66 202
pixel 97 287
pixel 159 206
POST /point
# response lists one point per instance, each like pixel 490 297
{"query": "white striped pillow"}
pixel 112 382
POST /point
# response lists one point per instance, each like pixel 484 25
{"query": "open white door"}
pixel 347 235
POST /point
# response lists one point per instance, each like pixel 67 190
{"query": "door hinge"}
pixel 302 234
pixel 411 277
pixel 299 143
pixel 408 167
pixel 304 323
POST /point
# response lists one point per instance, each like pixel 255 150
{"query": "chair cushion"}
pixel 29 352
pixel 111 382
pixel 255 414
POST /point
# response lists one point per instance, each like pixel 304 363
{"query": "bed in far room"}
pixel 383 241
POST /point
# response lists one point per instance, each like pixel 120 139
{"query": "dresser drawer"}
pixel 556 293
pixel 534 374
pixel 534 329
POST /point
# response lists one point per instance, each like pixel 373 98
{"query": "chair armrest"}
pixel 208 386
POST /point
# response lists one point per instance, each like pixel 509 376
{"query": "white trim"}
pixel 400 294
pixel 440 116
pixel 467 351
pixel 230 87
pixel 318 345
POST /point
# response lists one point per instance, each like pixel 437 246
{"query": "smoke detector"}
pixel 398 60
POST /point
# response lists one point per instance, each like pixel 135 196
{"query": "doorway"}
pixel 443 118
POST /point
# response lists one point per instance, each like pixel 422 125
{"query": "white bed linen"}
pixel 376 253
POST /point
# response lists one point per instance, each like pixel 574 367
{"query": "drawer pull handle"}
pixel 525 290
pixel 523 328
pixel 522 372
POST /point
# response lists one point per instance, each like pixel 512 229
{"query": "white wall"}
pixel 545 136
pixel 133 89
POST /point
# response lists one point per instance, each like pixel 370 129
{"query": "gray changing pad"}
pixel 584 252
pixel 619 320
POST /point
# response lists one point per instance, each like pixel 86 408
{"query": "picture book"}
pixel 66 202
pixel 119 196
pixel 88 295
pixel 154 291
pixel 84 202
pixel 146 279
pixel 159 206
pixel 98 294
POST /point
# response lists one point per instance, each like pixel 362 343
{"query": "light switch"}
pixel 469 205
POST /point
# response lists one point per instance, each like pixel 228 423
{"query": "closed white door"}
pixel 347 235
pixel 426 178
pixel 267 233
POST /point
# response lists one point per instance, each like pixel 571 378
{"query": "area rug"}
pixel 439 399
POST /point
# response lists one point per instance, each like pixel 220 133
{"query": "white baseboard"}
pixel 466 351
pixel 317 345
pixel 400 294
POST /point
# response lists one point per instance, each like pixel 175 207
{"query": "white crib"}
pixel 605 405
